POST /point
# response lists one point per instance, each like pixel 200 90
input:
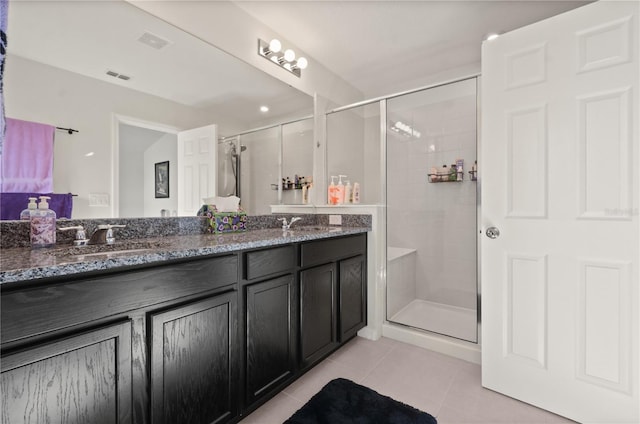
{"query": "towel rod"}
pixel 69 130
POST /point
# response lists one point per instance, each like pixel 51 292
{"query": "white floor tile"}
pixel 445 387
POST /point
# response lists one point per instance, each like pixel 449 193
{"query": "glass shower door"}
pixel 432 210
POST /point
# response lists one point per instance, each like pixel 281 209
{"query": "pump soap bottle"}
pixel 340 190
pixel 25 215
pixel 332 194
pixel 43 225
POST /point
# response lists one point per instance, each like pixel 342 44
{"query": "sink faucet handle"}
pixel 294 219
pixel 81 234
pixel 285 226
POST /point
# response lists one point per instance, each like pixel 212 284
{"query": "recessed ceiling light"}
pixel 264 109
pixel 492 36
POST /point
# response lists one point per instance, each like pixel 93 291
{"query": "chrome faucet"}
pixel 285 225
pixel 81 235
pixel 104 234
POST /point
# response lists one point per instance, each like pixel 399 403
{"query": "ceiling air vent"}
pixel 118 75
pixel 153 40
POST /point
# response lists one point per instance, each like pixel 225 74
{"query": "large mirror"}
pixel 129 83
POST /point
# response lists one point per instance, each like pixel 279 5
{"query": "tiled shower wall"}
pixel 438 220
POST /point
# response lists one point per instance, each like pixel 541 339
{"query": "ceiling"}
pixel 382 47
pixel 93 37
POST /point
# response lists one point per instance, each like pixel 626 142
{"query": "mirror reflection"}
pixel 130 91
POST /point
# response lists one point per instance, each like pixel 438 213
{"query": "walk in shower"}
pixel 253 164
pixel 432 210
pixel 416 154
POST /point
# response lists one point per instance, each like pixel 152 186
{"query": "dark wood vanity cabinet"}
pixel 269 321
pixel 205 340
pixel 85 378
pixel 151 345
pixel 332 294
pixel 194 373
pixel 318 313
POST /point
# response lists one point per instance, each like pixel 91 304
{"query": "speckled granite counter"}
pixel 23 264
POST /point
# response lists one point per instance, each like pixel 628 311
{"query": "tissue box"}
pixel 223 222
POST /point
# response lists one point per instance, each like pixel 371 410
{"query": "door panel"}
pixel 197 168
pixel 559 178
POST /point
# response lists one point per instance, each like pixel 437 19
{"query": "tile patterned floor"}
pixel 445 387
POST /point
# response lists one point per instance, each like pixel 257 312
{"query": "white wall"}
pixel 40 93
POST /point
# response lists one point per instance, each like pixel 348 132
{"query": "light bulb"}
pixel 289 55
pixel 302 63
pixel 275 45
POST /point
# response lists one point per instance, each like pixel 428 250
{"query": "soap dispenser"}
pixel 332 191
pixel 25 215
pixel 348 191
pixel 43 225
pixel 340 190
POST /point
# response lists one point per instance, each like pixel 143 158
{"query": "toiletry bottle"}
pixel 348 192
pixel 25 215
pixel 356 192
pixel 460 169
pixel 331 191
pixel 444 173
pixel 43 225
pixel 305 194
pixel 340 190
pixel 453 172
pixel 433 174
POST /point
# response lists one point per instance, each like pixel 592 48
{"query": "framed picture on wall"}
pixel 162 179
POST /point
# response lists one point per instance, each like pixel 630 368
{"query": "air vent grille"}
pixel 153 40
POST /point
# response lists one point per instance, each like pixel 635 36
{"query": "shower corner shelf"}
pixel 442 178
pixel 275 187
pixel 474 175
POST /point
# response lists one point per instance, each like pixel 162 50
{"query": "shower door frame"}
pixel 382 101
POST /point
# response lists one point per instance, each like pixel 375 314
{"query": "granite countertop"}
pixel 24 264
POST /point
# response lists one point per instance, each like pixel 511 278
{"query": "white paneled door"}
pixel 559 177
pixel 197 161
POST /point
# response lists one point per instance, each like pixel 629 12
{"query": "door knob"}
pixel 492 232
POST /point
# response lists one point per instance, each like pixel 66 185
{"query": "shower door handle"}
pixel 492 232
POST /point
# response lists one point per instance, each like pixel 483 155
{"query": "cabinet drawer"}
pixel 324 251
pixel 51 307
pixel 269 261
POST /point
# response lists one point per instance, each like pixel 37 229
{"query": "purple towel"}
pixel 4 9
pixel 27 157
pixel 11 204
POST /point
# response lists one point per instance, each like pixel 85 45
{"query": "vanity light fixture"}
pixel 286 60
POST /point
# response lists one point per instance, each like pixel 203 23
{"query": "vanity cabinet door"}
pixel 270 355
pixel 194 366
pixel 81 379
pixel 318 313
pixel 353 296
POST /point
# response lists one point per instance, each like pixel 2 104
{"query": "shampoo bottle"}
pixel 356 192
pixel 43 225
pixel 332 191
pixel 348 192
pixel 340 190
pixel 31 207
